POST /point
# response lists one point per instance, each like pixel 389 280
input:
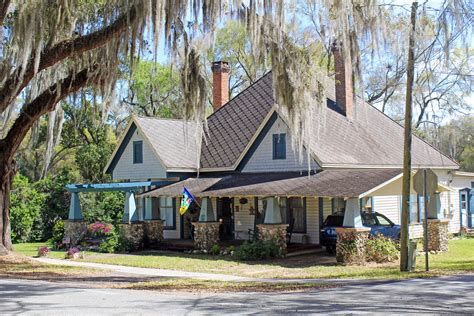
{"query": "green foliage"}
pixel 103 207
pixel 155 90
pixel 381 249
pixel 57 199
pixel 215 250
pixel 110 243
pixel 58 233
pixel 259 250
pixel 25 211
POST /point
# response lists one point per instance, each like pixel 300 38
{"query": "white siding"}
pixel 174 233
pixel 415 231
pixel 149 169
pixel 388 206
pixel 262 158
pixel 327 208
pixel 243 220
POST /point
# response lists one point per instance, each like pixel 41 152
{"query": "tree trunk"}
pixel 7 172
pixel 407 144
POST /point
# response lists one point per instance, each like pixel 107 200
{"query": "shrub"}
pixel 43 251
pixel 72 253
pixel 110 243
pixel 381 249
pixel 58 234
pixel 215 250
pixel 258 250
pixel 25 211
pixel 99 229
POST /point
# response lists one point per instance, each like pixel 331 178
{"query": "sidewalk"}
pixel 146 271
pixel 152 272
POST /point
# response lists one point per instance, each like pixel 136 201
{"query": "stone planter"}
pixel 75 230
pixel 274 232
pixel 438 235
pixel 133 235
pixel 153 232
pixel 351 245
pixel 206 235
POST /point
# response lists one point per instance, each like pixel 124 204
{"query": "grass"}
pixel 19 266
pixel 31 250
pixel 191 285
pixel 460 258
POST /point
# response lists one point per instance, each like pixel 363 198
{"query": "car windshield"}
pixel 368 219
pixel 334 221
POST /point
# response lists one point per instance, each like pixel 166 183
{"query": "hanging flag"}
pixel 186 201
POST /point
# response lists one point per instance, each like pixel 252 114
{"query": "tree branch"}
pixel 3 10
pixel 14 84
pixel 41 105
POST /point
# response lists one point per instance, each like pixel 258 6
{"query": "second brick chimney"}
pixel 344 87
pixel 220 82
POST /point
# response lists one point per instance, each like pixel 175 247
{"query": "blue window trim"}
pixel 279 146
pixel 137 158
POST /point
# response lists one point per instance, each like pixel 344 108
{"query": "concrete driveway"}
pixel 441 295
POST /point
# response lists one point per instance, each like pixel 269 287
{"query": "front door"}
pixel 225 215
pixel 464 197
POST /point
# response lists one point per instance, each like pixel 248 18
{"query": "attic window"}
pixel 138 151
pixel 279 146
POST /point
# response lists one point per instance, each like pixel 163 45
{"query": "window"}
pixel 167 213
pixel 297 215
pixel 138 151
pixel 472 184
pixel 338 206
pixel 383 221
pixel 279 146
pixel 292 210
pixel 463 201
pixel 293 213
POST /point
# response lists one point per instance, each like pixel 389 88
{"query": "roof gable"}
pixel 235 125
pixel 172 143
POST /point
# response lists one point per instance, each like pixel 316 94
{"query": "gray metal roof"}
pixel 173 140
pixel 371 139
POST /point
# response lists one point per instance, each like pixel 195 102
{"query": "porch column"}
pixel 75 207
pixel 352 217
pixel 206 230
pixel 272 211
pixel 130 208
pixel 352 238
pixel 272 228
pixel 207 213
pixel 434 207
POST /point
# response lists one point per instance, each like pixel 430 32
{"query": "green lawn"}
pixel 31 250
pixel 460 258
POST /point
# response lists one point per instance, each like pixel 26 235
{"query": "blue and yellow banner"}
pixel 186 201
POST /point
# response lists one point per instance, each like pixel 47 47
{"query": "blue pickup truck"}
pixel 378 224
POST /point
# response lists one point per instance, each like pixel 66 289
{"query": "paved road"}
pixel 443 295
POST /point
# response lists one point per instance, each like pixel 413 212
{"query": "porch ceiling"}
pixel 328 183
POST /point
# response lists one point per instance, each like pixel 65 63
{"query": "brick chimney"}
pixel 344 87
pixel 220 82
